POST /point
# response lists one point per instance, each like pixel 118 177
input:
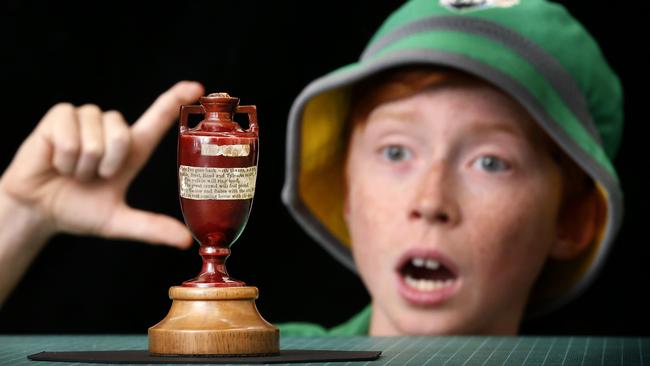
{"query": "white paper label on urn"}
pixel 201 183
pixel 225 150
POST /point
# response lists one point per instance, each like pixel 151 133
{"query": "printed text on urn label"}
pixel 200 183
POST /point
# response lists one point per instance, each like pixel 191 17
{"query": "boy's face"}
pixel 452 205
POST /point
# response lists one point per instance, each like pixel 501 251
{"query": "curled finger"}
pixel 117 138
pixel 63 127
pixel 92 141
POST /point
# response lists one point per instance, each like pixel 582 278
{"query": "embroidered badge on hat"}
pixel 472 5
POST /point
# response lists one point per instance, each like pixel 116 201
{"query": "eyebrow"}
pixel 518 135
pixel 401 115
pixel 485 128
pixel 476 128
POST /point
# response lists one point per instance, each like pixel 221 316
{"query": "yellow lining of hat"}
pixel 321 160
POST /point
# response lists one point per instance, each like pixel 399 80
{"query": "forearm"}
pixel 23 232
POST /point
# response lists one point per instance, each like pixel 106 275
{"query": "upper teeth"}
pixel 428 263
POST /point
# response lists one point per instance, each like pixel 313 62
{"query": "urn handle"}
pixel 186 110
pixel 251 110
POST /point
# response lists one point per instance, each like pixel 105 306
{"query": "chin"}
pixel 431 323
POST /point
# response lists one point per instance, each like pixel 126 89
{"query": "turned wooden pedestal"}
pixel 213 321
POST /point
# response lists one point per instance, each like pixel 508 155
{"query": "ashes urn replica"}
pixel 214 314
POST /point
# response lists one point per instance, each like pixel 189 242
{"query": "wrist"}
pixel 25 230
pixel 24 218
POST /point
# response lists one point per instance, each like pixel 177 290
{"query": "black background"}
pixel 122 55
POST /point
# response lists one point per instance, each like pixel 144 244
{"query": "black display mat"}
pixel 143 356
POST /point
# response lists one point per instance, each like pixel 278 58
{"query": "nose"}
pixel 435 199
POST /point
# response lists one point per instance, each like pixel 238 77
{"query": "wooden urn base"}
pixel 214 321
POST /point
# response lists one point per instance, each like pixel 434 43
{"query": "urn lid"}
pixel 219 102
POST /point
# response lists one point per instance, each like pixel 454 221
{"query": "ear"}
pixel 578 223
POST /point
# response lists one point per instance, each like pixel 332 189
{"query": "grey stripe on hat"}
pixel 542 61
pixel 318 231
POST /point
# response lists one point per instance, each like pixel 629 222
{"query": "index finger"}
pixel 149 129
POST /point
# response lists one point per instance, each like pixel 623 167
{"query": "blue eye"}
pixel 396 153
pixel 491 163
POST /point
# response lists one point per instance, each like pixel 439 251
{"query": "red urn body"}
pixel 217 170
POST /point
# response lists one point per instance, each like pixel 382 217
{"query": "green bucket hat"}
pixel 534 51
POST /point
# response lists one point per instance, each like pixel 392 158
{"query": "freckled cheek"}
pixel 375 202
pixel 511 240
pixel 373 220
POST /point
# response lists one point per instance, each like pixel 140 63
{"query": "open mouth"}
pixel 426 277
pixel 426 274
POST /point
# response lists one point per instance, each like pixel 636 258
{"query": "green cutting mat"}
pixel 527 351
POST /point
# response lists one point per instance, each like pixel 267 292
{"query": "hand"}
pixel 74 169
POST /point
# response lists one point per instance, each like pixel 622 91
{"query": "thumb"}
pixel 149 129
pixel 149 227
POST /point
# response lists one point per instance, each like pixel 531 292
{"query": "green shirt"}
pixel 359 324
